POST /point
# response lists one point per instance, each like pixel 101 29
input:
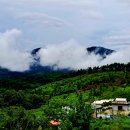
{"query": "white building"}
pixel 120 104
pixel 98 105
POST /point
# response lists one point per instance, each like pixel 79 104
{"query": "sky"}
pixel 28 24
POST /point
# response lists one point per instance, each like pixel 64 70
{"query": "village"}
pixel 112 107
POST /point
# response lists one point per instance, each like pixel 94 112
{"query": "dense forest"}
pixel 31 102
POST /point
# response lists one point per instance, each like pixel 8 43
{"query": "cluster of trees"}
pixel 16 118
pixel 105 68
pixel 78 118
pixel 26 99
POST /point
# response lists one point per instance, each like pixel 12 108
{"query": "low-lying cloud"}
pixel 10 56
pixel 75 56
pixel 69 54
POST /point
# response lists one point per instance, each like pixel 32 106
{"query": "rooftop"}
pixel 102 101
pixel 121 100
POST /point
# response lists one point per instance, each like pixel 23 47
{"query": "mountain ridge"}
pixel 36 67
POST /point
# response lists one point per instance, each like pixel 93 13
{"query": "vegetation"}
pixel 31 102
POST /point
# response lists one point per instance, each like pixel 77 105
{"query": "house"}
pixel 98 105
pixel 120 104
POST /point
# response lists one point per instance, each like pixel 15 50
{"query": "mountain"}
pixel 103 52
pixel 36 68
pixel 34 54
pixel 97 50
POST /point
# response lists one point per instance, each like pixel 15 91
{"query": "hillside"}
pixel 40 98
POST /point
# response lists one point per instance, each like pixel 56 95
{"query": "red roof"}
pixel 54 123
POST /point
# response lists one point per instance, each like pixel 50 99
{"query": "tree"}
pixel 18 119
pixel 79 117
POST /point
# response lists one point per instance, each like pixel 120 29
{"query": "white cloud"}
pixel 41 20
pixel 68 55
pixel 72 55
pixel 10 56
pixel 83 7
pixel 121 56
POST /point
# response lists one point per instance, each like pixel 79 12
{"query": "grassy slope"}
pixel 83 82
pixel 106 85
pixel 93 86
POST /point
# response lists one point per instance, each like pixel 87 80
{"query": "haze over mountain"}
pixel 100 51
pixel 97 50
pixel 36 66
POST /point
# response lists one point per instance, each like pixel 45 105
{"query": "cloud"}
pixel 70 54
pixel 118 38
pixel 40 3
pixel 73 55
pixel 121 56
pixel 67 55
pixel 92 14
pixel 41 20
pixel 83 7
pixel 10 57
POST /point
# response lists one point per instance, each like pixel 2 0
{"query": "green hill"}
pixel 32 101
